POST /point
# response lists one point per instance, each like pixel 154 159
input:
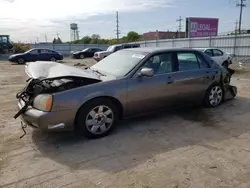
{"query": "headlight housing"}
pixel 43 102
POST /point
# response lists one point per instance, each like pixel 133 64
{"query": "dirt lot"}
pixel 195 148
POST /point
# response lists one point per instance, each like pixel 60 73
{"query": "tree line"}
pixel 132 36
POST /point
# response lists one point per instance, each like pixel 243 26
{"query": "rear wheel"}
pixel 97 118
pixel 214 96
pixel 20 61
pixel 53 59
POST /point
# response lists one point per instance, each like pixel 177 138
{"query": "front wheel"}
pixel 97 118
pixel 214 96
pixel 21 61
pixel 81 56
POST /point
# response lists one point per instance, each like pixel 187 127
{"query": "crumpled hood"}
pixel 48 69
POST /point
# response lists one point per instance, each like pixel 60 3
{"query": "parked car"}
pixel 222 58
pixel 100 55
pixel 88 52
pixel 36 55
pixel 92 100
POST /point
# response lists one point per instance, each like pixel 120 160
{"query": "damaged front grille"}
pixel 49 85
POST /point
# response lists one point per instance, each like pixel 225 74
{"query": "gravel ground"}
pixel 174 149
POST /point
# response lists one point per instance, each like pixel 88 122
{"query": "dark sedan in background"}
pixel 88 52
pixel 36 55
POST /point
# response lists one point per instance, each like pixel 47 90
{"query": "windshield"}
pixel 119 63
pixel 111 48
pixel 85 50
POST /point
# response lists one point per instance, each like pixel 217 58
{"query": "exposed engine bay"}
pixel 49 85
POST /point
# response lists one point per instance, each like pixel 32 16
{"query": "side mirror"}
pixel 148 72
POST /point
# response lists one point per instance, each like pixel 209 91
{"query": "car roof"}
pixel 205 48
pixel 41 49
pixel 158 49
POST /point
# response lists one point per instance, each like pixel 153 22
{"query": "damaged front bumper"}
pixel 45 121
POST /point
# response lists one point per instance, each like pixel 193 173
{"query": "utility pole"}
pixel 117 27
pixel 236 27
pixel 45 38
pixel 180 26
pixel 57 34
pixel 241 5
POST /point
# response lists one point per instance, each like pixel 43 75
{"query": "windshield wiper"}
pixel 97 71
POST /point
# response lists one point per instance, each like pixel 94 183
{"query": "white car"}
pixel 220 57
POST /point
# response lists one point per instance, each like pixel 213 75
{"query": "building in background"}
pixel 158 35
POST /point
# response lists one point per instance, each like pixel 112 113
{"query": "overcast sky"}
pixel 25 20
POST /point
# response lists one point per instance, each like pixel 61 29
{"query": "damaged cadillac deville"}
pixel 127 83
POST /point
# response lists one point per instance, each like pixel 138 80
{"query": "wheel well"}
pixel 226 61
pixel 114 101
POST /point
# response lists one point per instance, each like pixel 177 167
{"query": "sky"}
pixel 31 20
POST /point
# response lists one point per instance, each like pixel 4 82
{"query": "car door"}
pixel 44 55
pixel 93 51
pixel 193 77
pixel 218 56
pixel 151 93
pixel 32 55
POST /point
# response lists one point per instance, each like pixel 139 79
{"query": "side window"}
pixel 44 51
pixel 161 63
pixel 127 46
pixel 202 62
pixel 209 52
pixel 187 61
pixel 34 52
pixel 117 48
pixel 217 52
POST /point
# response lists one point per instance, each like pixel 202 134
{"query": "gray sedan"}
pixel 126 83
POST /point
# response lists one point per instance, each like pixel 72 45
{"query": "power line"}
pixel 117 27
pixel 241 5
pixel 180 26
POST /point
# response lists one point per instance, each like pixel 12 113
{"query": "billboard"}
pixel 201 27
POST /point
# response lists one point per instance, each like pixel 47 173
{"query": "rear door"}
pixel 193 76
pixel 44 55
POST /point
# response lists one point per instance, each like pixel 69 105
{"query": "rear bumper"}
pixel 47 121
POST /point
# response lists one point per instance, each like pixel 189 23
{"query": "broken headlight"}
pixel 43 102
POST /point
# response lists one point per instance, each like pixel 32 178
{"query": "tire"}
pixel 214 96
pixel 97 130
pixel 21 61
pixel 81 56
pixel 53 59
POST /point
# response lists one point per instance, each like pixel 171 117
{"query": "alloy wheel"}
pixel 99 120
pixel 215 96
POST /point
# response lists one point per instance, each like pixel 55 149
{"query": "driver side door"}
pixel 147 94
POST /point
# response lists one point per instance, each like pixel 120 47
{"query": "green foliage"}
pixel 132 36
pixel 19 48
